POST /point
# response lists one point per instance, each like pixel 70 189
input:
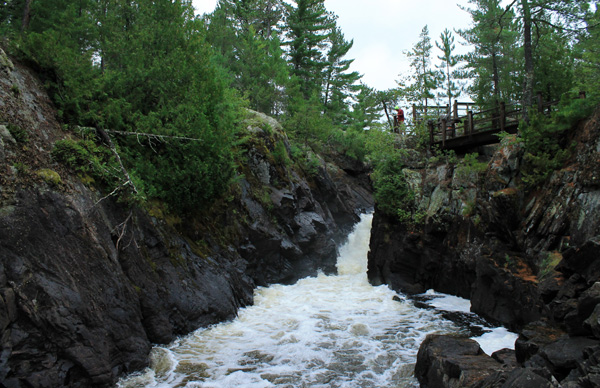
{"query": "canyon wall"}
pixel 88 284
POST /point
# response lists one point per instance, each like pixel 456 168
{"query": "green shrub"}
pixel 544 140
pixel 88 159
pixel 280 154
pixel 19 134
pixel 392 191
pixel 469 166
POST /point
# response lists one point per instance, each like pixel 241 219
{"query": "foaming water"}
pixel 324 331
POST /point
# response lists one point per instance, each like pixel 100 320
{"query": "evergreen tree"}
pixel 564 15
pixel 448 62
pixel 146 68
pixel 492 65
pixel 587 53
pixel 308 28
pixel 244 34
pixel 553 63
pixel 367 109
pixel 423 80
pixel 339 84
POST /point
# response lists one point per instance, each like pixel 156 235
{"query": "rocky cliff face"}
pixel 523 259
pixel 87 284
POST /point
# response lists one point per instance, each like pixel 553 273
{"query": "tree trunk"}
pixel 26 15
pixel 528 52
pixel 496 76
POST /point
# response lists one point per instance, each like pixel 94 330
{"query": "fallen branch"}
pixel 109 142
pixel 148 135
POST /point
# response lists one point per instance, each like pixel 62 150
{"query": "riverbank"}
pixel 88 283
pixel 527 259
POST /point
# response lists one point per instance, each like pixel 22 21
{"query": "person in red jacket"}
pixel 399 119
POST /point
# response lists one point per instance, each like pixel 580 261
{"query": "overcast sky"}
pixel 383 29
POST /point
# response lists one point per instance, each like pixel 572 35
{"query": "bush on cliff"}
pixel 145 70
pixel 545 142
pixel 393 194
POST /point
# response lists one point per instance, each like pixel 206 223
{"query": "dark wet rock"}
pixel 519 378
pixel 447 361
pixel 534 337
pixel 501 296
pixel 506 357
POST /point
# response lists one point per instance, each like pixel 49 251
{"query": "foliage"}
pixel 244 35
pixel 424 80
pixel 469 166
pixel 392 192
pixel 544 140
pixel 19 134
pixel 587 52
pixel 350 142
pixel 306 159
pixel 308 27
pixel 280 154
pixel 366 110
pixel 338 83
pixel 87 158
pixel 448 61
pixel 492 62
pixel 508 139
pixel 145 68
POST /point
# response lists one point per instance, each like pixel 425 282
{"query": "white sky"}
pixel 383 29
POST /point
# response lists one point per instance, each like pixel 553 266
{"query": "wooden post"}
pixel 443 132
pixel 414 114
pixel 455 110
pixel 431 137
pixel 540 102
pixel 470 121
pixel 502 116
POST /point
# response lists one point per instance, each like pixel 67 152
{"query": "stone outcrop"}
pixel 87 283
pixel 521 257
pixel 454 362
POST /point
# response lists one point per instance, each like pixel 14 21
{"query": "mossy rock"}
pixel 49 176
pixel 5 62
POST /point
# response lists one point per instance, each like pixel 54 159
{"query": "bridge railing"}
pixel 501 118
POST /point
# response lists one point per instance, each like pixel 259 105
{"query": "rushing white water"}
pixel 325 331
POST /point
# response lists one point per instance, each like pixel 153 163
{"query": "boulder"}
pixel 448 361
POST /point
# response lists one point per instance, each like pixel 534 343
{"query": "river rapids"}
pixel 325 331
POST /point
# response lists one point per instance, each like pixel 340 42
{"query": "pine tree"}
pixel 492 64
pixel 423 80
pixel 563 15
pixel 448 62
pixel 244 34
pixel 308 28
pixel 338 83
pixel 367 109
pixel 587 52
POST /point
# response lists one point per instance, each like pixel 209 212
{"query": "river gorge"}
pixel 295 278
pixel 323 331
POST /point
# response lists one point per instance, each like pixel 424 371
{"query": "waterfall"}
pixel 324 331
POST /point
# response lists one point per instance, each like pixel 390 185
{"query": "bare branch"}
pixel 123 227
pixel 114 151
pixel 150 136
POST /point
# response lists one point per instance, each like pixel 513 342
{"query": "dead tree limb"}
pixel 109 142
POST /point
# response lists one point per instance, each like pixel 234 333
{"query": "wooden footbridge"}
pixel 461 133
